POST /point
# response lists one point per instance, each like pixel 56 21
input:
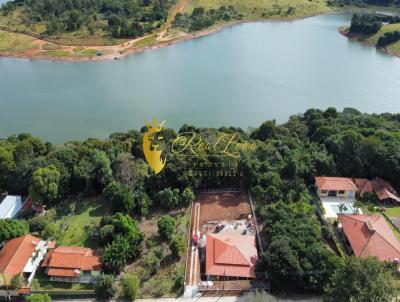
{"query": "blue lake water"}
pixel 240 76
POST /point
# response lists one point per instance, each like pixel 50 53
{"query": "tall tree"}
pixel 367 280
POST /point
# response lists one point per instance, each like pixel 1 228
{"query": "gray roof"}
pixel 10 206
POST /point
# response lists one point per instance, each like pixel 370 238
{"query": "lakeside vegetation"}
pixel 139 220
pixel 121 23
pixel 381 31
pixel 83 19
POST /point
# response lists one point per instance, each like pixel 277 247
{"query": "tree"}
pixel 267 130
pixel 168 198
pixel 331 112
pixel 283 264
pixel 187 197
pixel 177 246
pixel 101 168
pixel 152 262
pixel 166 227
pixel 104 287
pixel 38 298
pixel 142 202
pixel 12 228
pixel 367 280
pixel 128 171
pixel 7 165
pixel 52 231
pixel 45 184
pixel 121 197
pixel 106 234
pixel 128 227
pixel 123 238
pixel 117 255
pixel 130 286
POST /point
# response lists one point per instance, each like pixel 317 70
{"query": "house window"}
pixel 341 192
pixel 324 191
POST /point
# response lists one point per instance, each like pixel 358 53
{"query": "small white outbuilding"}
pixel 10 206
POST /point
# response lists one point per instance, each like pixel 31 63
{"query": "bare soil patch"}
pixel 223 206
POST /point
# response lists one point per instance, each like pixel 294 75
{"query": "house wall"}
pixel 34 262
pixel 342 194
pixel 64 279
pixel 84 277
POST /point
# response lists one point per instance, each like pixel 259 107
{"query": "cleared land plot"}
pixel 223 206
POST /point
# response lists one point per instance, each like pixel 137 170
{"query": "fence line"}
pixel 391 222
pixel 188 245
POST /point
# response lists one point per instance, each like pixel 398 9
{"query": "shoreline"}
pixel 185 37
pixel 344 31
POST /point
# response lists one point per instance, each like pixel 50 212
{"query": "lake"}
pixel 240 76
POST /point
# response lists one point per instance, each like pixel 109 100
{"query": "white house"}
pixel 10 206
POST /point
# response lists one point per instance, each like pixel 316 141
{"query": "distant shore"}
pixel 116 52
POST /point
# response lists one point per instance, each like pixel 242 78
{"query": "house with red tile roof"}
pixel 384 191
pixel 364 186
pixel 230 255
pixel 343 187
pixel 72 264
pixel 369 235
pixel 21 257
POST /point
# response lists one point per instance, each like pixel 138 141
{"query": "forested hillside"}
pixel 117 18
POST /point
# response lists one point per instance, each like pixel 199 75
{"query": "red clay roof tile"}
pixel 16 254
pixel 231 255
pixel 67 258
pixel 384 190
pixel 335 183
pixel 370 235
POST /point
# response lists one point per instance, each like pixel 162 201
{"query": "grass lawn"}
pixel 257 9
pixel 15 42
pixel 80 218
pixel 58 53
pixel 49 46
pixel 395 47
pixel 150 40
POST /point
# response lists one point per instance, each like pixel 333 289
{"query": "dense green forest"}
pixel 279 173
pixel 369 24
pixel 364 3
pixel 200 18
pixel 389 38
pixel 121 18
